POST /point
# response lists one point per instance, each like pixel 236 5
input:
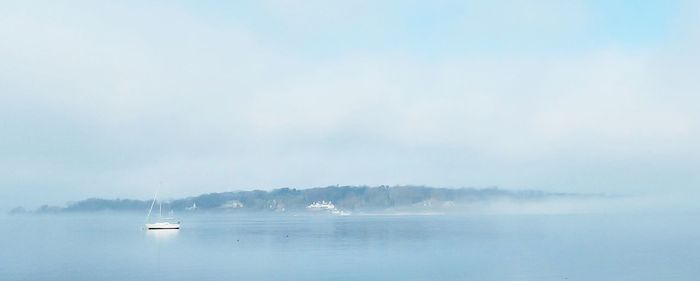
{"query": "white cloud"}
pixel 207 106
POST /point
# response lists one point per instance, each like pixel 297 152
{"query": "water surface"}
pixel 285 247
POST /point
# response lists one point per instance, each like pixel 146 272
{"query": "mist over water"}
pixel 359 247
pixel 585 111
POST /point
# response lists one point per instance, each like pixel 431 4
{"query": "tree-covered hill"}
pixel 349 198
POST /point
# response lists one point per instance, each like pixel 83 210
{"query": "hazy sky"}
pixel 109 98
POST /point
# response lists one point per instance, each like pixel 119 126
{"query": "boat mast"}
pixel 152 203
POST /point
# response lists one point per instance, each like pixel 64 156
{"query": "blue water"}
pixel 284 247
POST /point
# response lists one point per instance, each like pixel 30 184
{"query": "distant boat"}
pixel 162 223
pixel 192 208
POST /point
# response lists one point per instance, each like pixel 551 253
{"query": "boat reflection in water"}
pixel 163 234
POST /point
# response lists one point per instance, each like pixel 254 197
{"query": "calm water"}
pixel 273 247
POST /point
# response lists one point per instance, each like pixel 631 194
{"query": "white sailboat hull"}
pixel 162 225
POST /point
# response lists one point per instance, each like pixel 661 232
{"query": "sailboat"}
pixel 161 223
pixel 192 208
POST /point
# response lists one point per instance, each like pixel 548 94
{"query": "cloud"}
pixel 109 100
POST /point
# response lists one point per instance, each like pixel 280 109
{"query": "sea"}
pixel 271 246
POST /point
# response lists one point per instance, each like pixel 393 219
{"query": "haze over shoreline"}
pixel 348 198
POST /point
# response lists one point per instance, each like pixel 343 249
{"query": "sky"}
pixel 110 98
